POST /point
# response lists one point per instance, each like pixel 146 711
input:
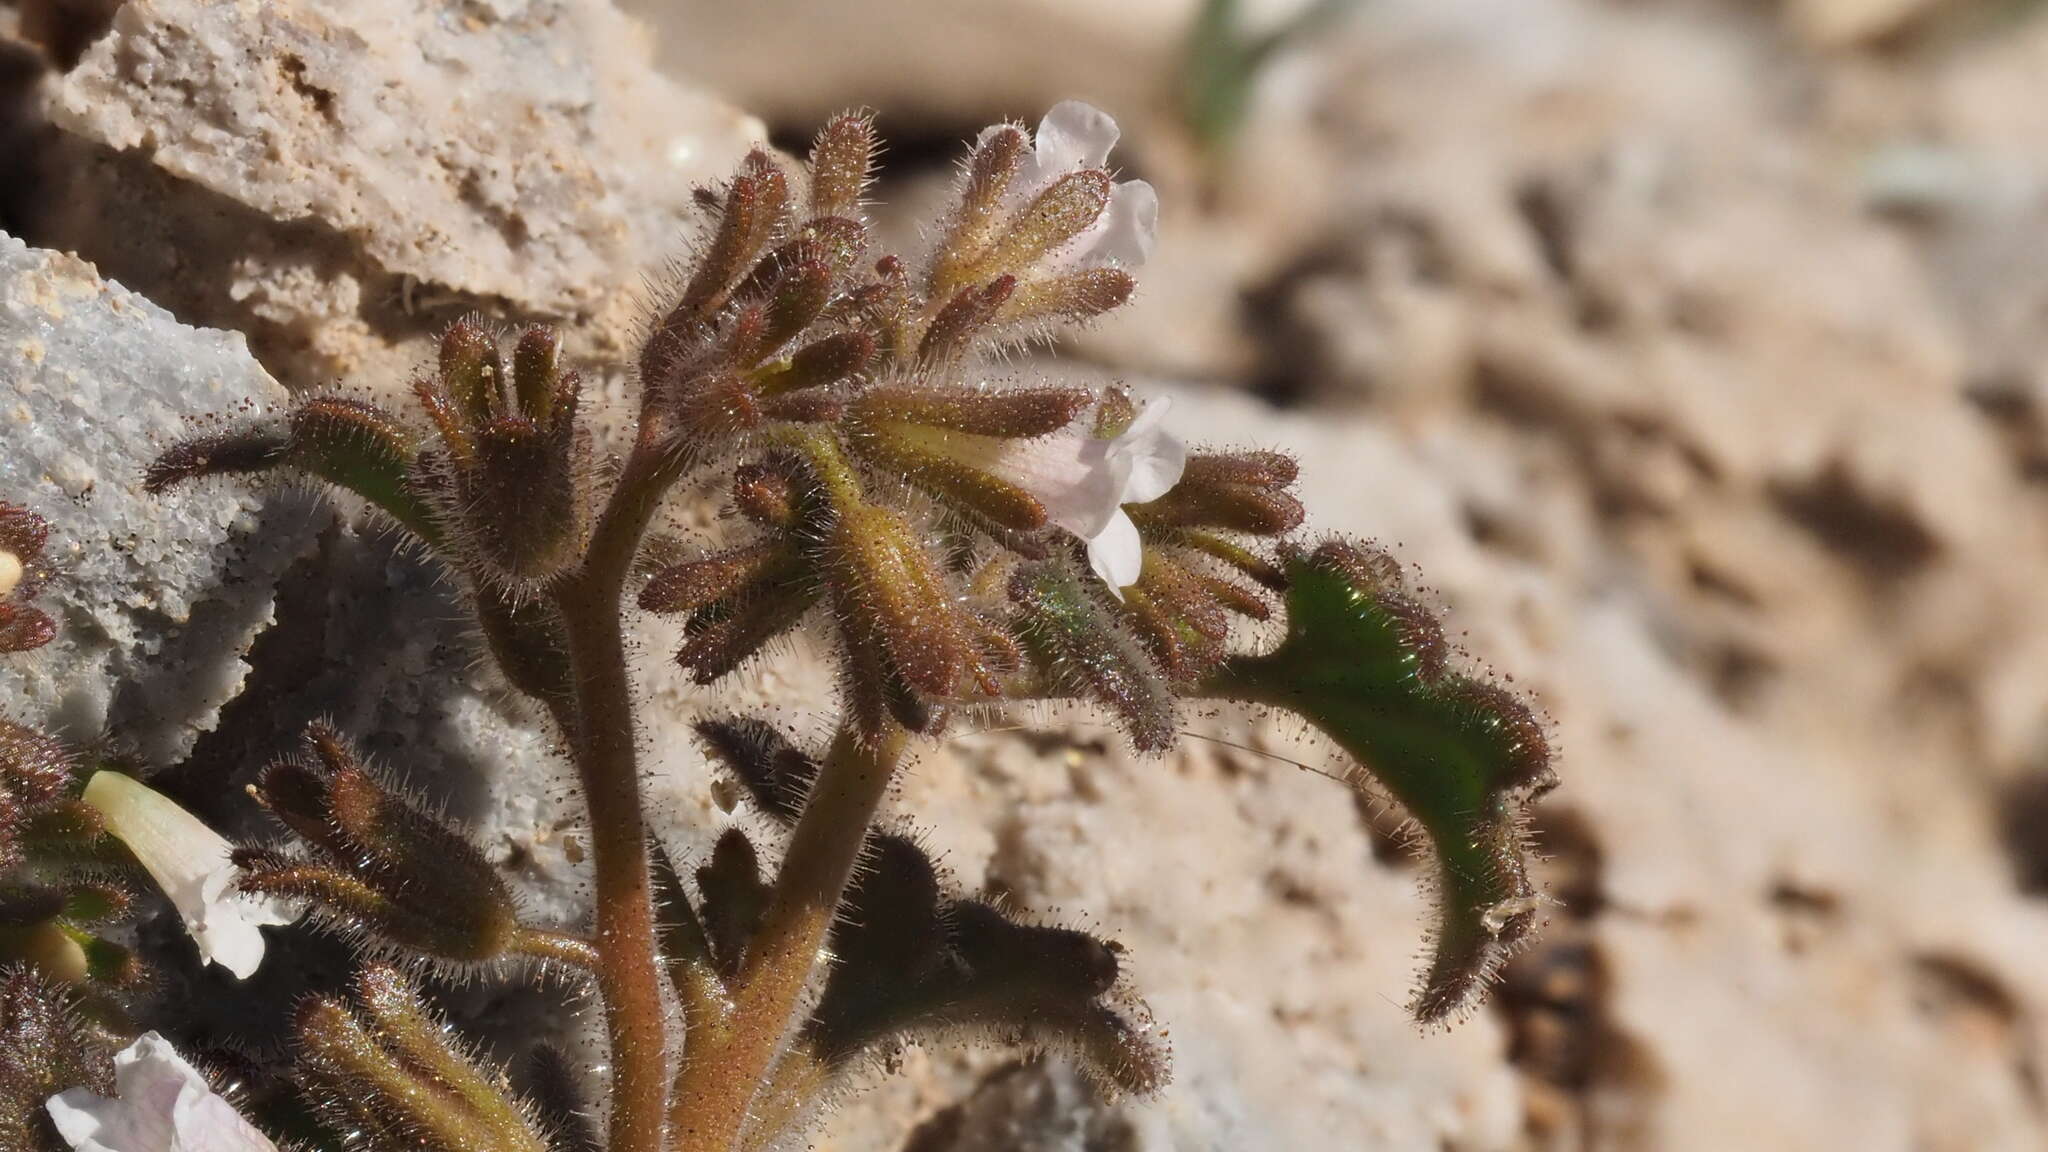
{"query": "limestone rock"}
pixel 487 148
pixel 156 598
pixel 340 179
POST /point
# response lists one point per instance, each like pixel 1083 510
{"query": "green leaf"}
pixel 1364 664
pixel 910 960
pixel 347 443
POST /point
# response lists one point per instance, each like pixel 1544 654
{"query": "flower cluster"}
pixel 923 505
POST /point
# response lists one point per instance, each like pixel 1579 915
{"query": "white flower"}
pixel 1074 136
pixel 1084 482
pixel 11 572
pixel 162 1105
pixel 189 861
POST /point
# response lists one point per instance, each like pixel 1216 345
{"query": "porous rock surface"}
pixel 156 598
pixel 341 178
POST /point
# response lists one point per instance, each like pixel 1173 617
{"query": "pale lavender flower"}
pixel 161 1104
pixel 189 861
pixel 1085 481
pixel 1071 137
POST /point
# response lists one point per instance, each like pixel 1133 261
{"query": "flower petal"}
pixel 163 1105
pixel 11 572
pixel 225 925
pixel 1117 553
pixel 1066 470
pixel 189 861
pixel 1072 135
pixel 1150 458
pixel 1127 230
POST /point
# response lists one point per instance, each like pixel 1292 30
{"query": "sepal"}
pixel 388 1071
pixel 1079 648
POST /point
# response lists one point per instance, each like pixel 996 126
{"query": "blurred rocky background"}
pixel 1694 351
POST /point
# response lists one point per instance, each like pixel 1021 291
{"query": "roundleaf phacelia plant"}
pixel 957 544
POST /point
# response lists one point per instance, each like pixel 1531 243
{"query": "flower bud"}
pixel 23 905
pixel 963 319
pixel 45 1050
pixel 978 217
pixel 728 633
pixel 379 863
pixel 24 628
pixel 716 408
pixel 509 488
pixel 825 361
pixel 1063 211
pixel 1236 492
pixel 62 829
pixel 800 294
pixel 691 585
pixel 753 209
pixel 393 1075
pixel 832 244
pixel 44 947
pixel 810 406
pixel 34 768
pixel 766 492
pixel 1235 597
pixel 983 497
pixel 1258 567
pixel 842 159
pixel 537 374
pixel 1068 297
pixel 401 1023
pixel 887 589
pixel 1183 625
pixel 522 505
pixel 1010 413
pixel 471 372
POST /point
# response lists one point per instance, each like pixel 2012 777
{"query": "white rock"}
pixel 156 598
pixel 498 151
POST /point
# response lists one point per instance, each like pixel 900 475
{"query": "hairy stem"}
pixel 722 1072
pixel 602 739
pixel 541 944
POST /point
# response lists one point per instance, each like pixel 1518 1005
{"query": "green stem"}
pixel 724 1071
pixel 602 739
